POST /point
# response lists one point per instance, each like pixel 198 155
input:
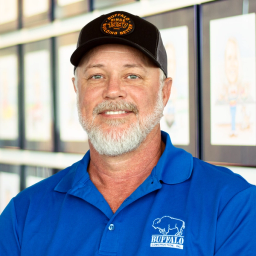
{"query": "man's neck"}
pixel 118 177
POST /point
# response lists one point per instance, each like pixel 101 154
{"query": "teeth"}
pixel 114 112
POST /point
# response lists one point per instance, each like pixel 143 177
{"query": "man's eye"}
pixel 132 77
pixel 96 76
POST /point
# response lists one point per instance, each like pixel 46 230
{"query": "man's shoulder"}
pixel 45 186
pixel 219 172
pixel 218 178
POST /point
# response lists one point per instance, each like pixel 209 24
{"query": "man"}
pixel 133 193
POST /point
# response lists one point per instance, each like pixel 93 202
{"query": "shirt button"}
pixel 111 227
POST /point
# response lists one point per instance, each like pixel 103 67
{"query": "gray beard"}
pixel 116 142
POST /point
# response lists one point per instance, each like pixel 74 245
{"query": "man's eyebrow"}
pixel 93 66
pixel 134 66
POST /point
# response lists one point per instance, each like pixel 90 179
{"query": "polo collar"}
pixel 76 177
pixel 174 166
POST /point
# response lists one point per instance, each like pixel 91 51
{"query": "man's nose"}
pixel 114 89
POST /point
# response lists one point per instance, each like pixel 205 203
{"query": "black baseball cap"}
pixel 122 28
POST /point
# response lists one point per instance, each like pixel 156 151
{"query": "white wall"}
pixel 248 173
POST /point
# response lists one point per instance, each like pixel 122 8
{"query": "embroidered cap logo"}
pixel 117 24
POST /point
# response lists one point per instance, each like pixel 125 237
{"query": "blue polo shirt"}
pixel 185 207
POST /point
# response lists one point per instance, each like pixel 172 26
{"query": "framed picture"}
pixel 38 96
pixel 35 174
pixel 228 82
pixel 8 15
pixel 9 80
pixel 101 4
pixel 176 113
pixel 72 137
pixel 68 8
pixel 180 120
pixel 9 184
pixel 35 14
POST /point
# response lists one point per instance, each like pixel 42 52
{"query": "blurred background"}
pixel 211 58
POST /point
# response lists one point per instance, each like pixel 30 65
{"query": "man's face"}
pixel 232 62
pixel 117 90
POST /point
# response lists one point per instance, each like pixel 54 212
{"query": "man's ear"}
pixel 167 89
pixel 74 84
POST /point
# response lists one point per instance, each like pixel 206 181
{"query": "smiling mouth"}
pixel 115 112
pixel 115 109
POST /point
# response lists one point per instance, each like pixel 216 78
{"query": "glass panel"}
pixel 36 174
pixel 99 4
pixel 176 113
pixel 70 128
pixel 67 2
pixel 9 184
pixel 8 97
pixel 37 96
pixel 31 7
pixel 72 138
pixel 8 11
pixel 36 13
pixel 232 55
pixel 67 8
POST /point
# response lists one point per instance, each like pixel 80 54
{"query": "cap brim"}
pixel 84 48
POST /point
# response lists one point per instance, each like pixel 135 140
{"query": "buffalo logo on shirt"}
pixel 117 24
pixel 171 230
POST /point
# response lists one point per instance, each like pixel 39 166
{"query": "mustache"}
pixel 115 105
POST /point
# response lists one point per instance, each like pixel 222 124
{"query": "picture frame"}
pixel 228 83
pixel 101 4
pixel 71 136
pixel 38 96
pixel 9 15
pixel 68 8
pixel 179 34
pixel 9 184
pixel 9 100
pixel 35 174
pixel 36 14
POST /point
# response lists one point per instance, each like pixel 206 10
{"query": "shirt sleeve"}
pixel 235 231
pixel 9 242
